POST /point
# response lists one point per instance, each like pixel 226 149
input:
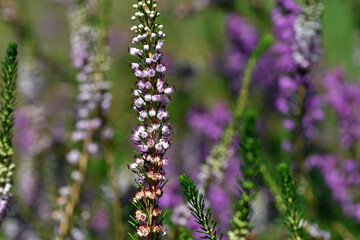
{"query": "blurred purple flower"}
pixel 100 221
pixel 283 18
pixel 243 39
pixel 31 137
pixel 243 36
pixel 171 197
pixel 344 98
pixel 292 49
pixel 340 177
pixel 93 97
pixel 209 124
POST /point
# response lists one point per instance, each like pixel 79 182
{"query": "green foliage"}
pixel 263 45
pixel 293 216
pixel 249 150
pixel 184 234
pixel 7 107
pixel 271 183
pixel 219 152
pixel 9 73
pixel 197 205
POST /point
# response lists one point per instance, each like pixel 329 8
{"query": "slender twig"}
pixel 197 206
pixel 298 138
pixel 219 152
pixel 74 197
pixel 273 187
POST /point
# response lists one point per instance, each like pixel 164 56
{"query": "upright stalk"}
pixel 197 207
pixel 7 107
pixel 298 133
pixel 90 55
pixel 214 164
pixel 293 216
pixel 152 135
pixel 74 197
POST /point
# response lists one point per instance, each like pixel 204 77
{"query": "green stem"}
pixel 273 187
pixel 298 153
pixel 197 206
pixel 74 197
pixel 219 152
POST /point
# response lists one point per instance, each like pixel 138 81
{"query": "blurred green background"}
pixel 196 41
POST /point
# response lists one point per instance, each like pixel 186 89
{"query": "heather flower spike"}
pixel 249 150
pixel 91 58
pixel 197 205
pixel 8 92
pixel 293 217
pixel 340 176
pixel 298 48
pixel 152 135
pixel 215 162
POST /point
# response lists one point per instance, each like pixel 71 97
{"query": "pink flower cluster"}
pixel 152 135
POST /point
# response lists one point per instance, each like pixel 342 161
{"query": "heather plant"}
pixel 8 93
pixel 206 129
pixel 90 57
pixel 293 217
pixel 215 167
pixel 343 97
pixel 249 149
pixel 340 176
pixel 197 206
pixel 298 47
pixel 267 136
pixel 152 135
pixel 214 164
